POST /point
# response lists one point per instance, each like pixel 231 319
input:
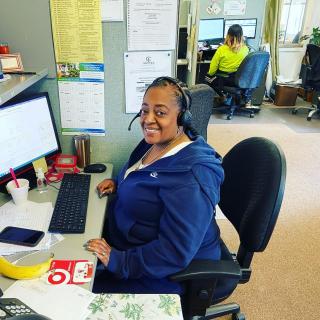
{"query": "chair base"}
pixel 231 110
pixel 218 311
pixel 313 109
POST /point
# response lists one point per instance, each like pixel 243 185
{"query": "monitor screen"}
pixel 211 30
pixel 249 26
pixel 27 133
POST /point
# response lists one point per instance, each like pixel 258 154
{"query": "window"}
pixel 291 22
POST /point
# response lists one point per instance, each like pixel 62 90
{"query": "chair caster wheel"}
pixel 309 118
pixel 294 111
pixel 238 316
pixel 251 115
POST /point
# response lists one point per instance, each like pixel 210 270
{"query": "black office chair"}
pixel 201 107
pixel 247 78
pixel 251 197
pixel 310 75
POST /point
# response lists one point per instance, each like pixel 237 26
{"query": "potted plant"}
pixel 314 36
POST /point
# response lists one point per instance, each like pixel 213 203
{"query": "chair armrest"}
pixel 222 74
pixel 208 269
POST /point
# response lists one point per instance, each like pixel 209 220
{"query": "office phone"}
pixel 10 307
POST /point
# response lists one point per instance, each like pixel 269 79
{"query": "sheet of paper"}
pixel 54 238
pixel 31 215
pixel 76 29
pixel 77 35
pixel 55 302
pixel 141 68
pixel 234 7
pixel 112 10
pixel 152 24
pixel 40 163
pixel 82 106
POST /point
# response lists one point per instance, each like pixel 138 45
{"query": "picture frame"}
pixel 11 62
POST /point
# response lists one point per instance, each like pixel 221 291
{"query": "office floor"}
pixel 271 114
pixel 285 278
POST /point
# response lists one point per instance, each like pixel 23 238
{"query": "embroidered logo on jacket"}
pixel 154 174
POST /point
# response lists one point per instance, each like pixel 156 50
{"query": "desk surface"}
pixel 71 248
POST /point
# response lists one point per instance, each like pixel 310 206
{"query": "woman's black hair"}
pixel 235 31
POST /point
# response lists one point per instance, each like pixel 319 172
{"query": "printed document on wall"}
pixel 112 10
pixel 152 24
pixel 234 7
pixel 77 35
pixel 141 68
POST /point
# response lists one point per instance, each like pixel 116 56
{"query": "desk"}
pixel 202 70
pixel 72 246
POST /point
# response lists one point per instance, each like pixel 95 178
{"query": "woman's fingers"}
pixel 99 246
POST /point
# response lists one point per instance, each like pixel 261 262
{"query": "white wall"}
pixel 290 62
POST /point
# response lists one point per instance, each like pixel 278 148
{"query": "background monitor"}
pixel 249 26
pixel 27 133
pixel 211 30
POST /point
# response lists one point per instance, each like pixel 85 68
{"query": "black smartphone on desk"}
pixel 21 236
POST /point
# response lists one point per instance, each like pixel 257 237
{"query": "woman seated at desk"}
pixel 162 216
pixel 228 58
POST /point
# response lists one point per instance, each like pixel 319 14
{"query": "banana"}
pixel 13 271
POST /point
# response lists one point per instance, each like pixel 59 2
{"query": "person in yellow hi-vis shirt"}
pixel 227 58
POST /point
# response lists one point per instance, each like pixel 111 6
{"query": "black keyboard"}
pixel 70 211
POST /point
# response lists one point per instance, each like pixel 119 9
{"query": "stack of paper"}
pixel 56 302
pixel 32 215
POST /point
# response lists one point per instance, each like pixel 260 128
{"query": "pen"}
pixel 14 178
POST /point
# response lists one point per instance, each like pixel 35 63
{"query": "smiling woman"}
pixel 163 214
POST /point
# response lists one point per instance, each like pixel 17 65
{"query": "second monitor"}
pixel 249 26
pixel 211 31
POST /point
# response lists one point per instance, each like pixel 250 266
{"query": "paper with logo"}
pixel 141 68
pixel 70 272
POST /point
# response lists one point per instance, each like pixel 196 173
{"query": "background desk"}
pixel 72 245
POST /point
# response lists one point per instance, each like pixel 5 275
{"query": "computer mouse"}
pixel 95 168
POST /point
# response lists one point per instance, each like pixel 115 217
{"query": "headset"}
pixel 185 116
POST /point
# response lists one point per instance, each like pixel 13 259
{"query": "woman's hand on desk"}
pixel 100 248
pixel 106 187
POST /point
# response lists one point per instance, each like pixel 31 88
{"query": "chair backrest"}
pixel 201 107
pixel 252 192
pixel 312 74
pixel 251 70
pixel 313 53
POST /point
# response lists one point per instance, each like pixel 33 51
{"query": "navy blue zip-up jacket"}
pixel 163 214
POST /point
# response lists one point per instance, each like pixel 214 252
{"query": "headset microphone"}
pixel 134 118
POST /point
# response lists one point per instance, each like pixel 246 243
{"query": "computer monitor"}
pixel 249 26
pixel 211 30
pixel 27 133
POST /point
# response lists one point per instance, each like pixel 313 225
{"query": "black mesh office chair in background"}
pixel 247 78
pixel 251 197
pixel 201 107
pixel 310 75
